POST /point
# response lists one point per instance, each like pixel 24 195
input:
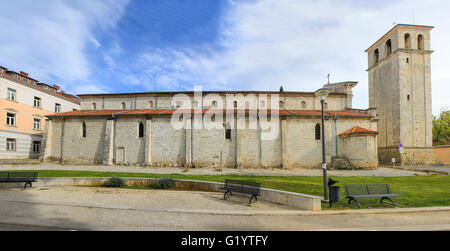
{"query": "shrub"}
pixel 165 183
pixel 116 182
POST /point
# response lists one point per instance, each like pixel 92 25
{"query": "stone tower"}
pixel 400 90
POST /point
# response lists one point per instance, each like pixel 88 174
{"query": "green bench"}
pixel 361 191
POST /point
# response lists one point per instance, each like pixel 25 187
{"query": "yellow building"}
pixel 24 103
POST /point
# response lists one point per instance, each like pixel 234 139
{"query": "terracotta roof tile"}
pixel 358 130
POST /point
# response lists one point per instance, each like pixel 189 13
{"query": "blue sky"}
pixel 110 46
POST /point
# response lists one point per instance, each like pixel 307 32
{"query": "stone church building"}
pixel 137 128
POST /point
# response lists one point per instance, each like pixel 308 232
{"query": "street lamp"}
pixel 323 94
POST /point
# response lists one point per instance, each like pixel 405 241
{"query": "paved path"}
pixel 380 172
pixel 81 208
pixel 438 169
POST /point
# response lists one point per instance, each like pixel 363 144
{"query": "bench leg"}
pixel 225 195
pixel 389 199
pixel 251 198
pixel 28 183
pixel 357 202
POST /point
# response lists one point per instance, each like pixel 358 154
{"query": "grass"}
pixel 417 191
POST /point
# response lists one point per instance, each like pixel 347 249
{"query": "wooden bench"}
pixel 16 177
pixel 240 186
pixel 360 191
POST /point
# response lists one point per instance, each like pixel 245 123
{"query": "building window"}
pixel 124 106
pixel 214 104
pixel 407 41
pixel 388 47
pixel 11 119
pixel 318 132
pixel 11 94
pixel 84 133
pixel 141 130
pixel 25 79
pixel 227 131
pixel 57 108
pixel 376 55
pixel 11 145
pixel 325 105
pixel 37 102
pixel 36 146
pixel 235 104
pixel 408 97
pixel 420 42
pixel 303 104
pixel 281 104
pixel 94 106
pixel 37 124
pixel 150 104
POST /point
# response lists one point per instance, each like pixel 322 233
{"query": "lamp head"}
pixel 322 93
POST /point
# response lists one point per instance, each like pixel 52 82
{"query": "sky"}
pixel 117 46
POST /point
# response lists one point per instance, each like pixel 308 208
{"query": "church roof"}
pixel 358 130
pixel 308 113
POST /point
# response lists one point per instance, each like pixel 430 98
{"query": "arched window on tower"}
pixel 388 47
pixel 94 106
pixel 141 130
pixel 407 41
pixel 317 132
pixel 84 130
pixel 420 42
pixel 376 56
pixel 124 106
pixel 150 104
pixel 303 104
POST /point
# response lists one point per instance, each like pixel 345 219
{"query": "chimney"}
pixel 24 74
pixel 56 87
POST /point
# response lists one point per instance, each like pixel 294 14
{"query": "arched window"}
pixel 376 56
pixel 124 106
pixel 227 131
pixel 325 105
pixel 388 47
pixel 141 130
pixel 420 42
pixel 281 104
pixel 150 104
pixel 318 132
pixel 407 41
pixel 303 104
pixel 94 106
pixel 235 104
pixel 84 131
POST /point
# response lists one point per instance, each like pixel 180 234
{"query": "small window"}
pixel 11 145
pixel 388 47
pixel 84 133
pixel 420 42
pixel 407 41
pixel 11 119
pixel 150 104
pixel 281 104
pixel 57 108
pixel 325 105
pixel 408 97
pixel 303 104
pixel 11 94
pixel 227 131
pixel 235 104
pixel 124 106
pixel 36 146
pixel 214 104
pixel 318 132
pixel 37 124
pixel 141 130
pixel 376 56
pixel 37 102
pixel 94 106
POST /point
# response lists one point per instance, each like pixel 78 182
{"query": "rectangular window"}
pixel 37 102
pixel 37 124
pixel 57 108
pixel 227 131
pixel 11 119
pixel 11 94
pixel 36 146
pixel 11 145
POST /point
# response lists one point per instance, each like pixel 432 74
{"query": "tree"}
pixel 441 127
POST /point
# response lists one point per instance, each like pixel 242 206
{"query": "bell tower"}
pixel 400 88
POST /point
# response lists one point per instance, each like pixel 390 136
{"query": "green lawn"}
pixel 417 191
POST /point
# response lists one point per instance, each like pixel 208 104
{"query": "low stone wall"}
pixel 297 200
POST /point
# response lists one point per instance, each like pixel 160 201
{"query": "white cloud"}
pixel 296 43
pixel 49 39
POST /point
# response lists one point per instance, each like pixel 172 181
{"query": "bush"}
pixel 116 182
pixel 341 164
pixel 165 183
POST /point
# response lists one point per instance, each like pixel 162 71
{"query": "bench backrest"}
pixel 245 186
pixel 367 189
pixel 18 176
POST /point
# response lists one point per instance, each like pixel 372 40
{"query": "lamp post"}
pixel 323 94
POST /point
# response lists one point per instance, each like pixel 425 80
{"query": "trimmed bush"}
pixel 165 183
pixel 116 182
